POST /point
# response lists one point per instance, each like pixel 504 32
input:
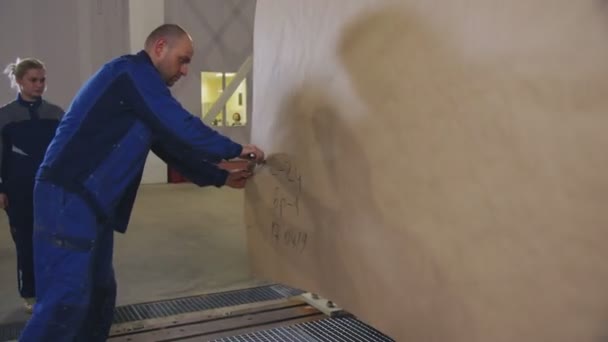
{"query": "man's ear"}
pixel 159 46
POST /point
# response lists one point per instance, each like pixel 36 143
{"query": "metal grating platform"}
pixel 138 312
pixel 166 308
pixel 345 329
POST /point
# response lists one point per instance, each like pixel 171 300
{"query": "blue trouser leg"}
pixel 99 318
pixel 63 293
pixel 73 262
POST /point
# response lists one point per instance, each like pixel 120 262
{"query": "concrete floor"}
pixel 182 240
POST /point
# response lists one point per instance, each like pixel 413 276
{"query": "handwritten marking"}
pixel 285 205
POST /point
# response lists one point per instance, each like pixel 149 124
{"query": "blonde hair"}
pixel 16 71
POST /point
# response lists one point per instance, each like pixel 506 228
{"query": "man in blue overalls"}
pixel 88 180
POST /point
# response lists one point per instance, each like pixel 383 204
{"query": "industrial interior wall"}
pixel 73 37
pixel 437 168
pixel 222 31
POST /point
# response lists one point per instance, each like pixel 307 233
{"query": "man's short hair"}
pixel 167 31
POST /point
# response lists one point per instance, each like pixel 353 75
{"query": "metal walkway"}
pixel 345 329
pixel 172 307
pixel 262 314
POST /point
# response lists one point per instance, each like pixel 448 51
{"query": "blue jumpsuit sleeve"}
pixel 195 169
pixel 170 122
pixel 122 215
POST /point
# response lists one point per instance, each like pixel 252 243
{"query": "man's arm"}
pixel 192 167
pixel 170 122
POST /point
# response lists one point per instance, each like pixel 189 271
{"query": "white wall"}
pixel 222 31
pixel 72 37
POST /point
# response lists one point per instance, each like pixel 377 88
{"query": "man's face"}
pixel 174 59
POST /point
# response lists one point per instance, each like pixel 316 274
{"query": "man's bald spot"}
pixel 170 32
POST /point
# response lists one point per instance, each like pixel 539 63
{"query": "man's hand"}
pixel 252 153
pixel 237 178
pixel 3 201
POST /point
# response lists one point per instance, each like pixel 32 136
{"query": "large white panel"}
pixel 437 168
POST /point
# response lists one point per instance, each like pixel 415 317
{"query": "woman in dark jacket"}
pixel 27 126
